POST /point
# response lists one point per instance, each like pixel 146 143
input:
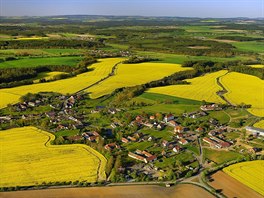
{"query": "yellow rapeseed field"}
pixel 243 88
pixel 70 85
pixel 200 88
pixel 128 75
pixel 47 76
pixel 260 124
pixel 248 173
pixel 27 158
pixel 257 66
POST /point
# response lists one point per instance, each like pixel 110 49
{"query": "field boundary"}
pixel 101 167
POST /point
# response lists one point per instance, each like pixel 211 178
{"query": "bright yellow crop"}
pixel 134 74
pixel 257 66
pixel 259 124
pixel 47 76
pixel 243 88
pixel 200 88
pixel 248 173
pixel 27 158
pixel 70 85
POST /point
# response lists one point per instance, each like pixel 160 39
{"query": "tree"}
pixel 109 165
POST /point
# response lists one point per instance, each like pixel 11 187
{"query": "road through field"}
pixel 181 190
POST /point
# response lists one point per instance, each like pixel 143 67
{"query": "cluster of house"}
pixel 172 145
pixel 107 54
pixel 91 136
pixel 68 104
pixel 216 139
pixel 143 156
pixel 25 105
pixel 4 119
pixel 195 114
pixel 98 109
pixel 210 107
pixel 111 146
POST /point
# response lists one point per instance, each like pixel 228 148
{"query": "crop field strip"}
pixel 259 124
pixel 200 88
pixel 70 85
pixel 243 88
pixel 248 173
pixel 128 75
pixel 29 159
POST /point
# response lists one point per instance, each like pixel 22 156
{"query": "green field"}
pixel 34 62
pixel 252 46
pixel 220 157
pixel 179 59
pixel 27 158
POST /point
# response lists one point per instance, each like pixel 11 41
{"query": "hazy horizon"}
pixel 155 8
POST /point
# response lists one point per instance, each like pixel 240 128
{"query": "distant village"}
pixel 63 116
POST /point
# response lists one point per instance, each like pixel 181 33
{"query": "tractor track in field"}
pixel 112 73
pixel 223 91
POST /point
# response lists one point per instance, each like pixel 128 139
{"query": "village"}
pixel 147 143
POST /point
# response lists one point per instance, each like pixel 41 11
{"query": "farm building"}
pixel 255 131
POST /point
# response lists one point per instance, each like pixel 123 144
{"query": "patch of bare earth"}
pixel 230 187
pixel 181 190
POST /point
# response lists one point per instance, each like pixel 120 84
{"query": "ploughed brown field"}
pixel 181 190
pixel 230 187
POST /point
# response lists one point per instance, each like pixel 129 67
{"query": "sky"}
pixel 183 8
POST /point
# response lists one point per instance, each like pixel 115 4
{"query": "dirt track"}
pixel 181 190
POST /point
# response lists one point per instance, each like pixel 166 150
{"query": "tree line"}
pixel 51 43
pixel 11 77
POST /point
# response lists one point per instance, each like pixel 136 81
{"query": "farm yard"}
pixel 249 173
pixel 27 158
pixel 71 85
pixel 128 75
pixel 243 88
pixel 200 88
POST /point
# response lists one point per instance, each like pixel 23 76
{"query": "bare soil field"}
pixel 230 187
pixel 181 190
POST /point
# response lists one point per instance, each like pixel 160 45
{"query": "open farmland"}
pixel 219 156
pixel 230 187
pixel 200 88
pixel 243 88
pixel 40 52
pixel 260 124
pixel 29 159
pixel 128 75
pixel 181 190
pixel 248 173
pixel 34 62
pixel 47 76
pixel 253 46
pixel 70 85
